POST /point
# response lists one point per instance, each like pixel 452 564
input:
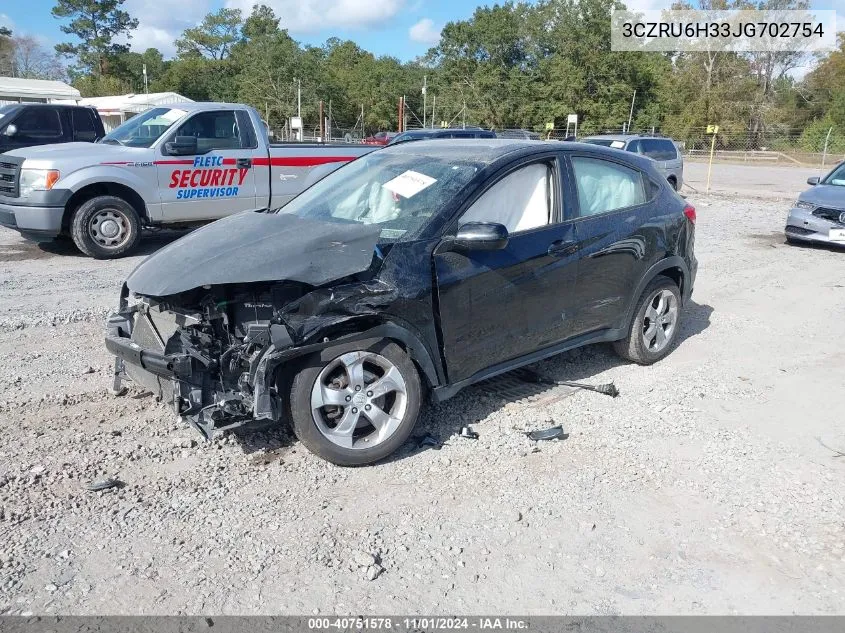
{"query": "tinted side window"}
pixel 604 186
pixel 83 125
pixel 659 149
pixel 39 124
pixel 213 130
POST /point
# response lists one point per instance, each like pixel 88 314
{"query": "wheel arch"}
pixel 96 189
pixel 369 332
pixel 673 267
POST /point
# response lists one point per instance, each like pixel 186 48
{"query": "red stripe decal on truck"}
pixel 300 161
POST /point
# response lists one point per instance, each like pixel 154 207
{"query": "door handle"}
pixel 560 248
pixel 244 162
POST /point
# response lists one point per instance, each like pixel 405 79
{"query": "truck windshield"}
pixel 400 192
pixel 144 129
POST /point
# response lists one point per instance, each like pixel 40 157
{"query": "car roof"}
pixel 627 137
pixel 48 105
pixel 489 150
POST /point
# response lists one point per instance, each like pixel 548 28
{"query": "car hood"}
pixel 76 155
pixel 825 195
pixel 253 247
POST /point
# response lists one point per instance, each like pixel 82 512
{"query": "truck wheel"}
pixel 355 406
pixel 105 227
pixel 654 329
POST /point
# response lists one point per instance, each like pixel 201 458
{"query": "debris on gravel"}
pixel 693 492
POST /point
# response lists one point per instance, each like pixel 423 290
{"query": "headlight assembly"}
pixel 809 206
pixel 37 180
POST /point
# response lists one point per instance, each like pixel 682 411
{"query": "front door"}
pixel 219 180
pixel 499 305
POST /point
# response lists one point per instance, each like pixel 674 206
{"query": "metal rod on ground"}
pixel 824 153
pixel 433 105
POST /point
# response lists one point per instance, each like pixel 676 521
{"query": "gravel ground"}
pixel 702 489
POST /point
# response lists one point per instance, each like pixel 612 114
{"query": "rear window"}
pixel 658 149
pixel 83 125
pixel 604 142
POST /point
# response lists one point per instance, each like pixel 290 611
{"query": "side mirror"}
pixel 813 180
pixel 10 130
pixel 481 236
pixel 182 146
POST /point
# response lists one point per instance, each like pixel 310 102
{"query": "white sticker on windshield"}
pixel 409 184
pixel 618 144
pixel 172 115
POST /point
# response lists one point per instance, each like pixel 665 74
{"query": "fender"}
pixel 673 261
pixel 145 187
pixel 277 354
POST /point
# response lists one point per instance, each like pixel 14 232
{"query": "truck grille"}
pixel 10 172
pixel 828 214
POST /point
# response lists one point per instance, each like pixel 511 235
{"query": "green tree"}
pixel 214 37
pixel 7 48
pixel 96 23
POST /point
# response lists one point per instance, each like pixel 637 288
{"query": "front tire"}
pixel 653 332
pixel 105 227
pixel 356 405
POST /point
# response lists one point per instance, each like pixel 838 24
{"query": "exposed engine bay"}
pixel 212 352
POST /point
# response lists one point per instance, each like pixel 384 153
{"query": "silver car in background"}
pixel 660 149
pixel 819 213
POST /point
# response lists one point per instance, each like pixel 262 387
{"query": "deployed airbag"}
pixel 250 247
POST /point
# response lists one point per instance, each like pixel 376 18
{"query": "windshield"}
pixel 400 192
pixel 836 177
pixel 7 109
pixel 144 129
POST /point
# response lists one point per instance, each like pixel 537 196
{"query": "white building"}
pixel 117 109
pixel 14 90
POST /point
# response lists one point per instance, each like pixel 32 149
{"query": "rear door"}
pixel 612 206
pixel 220 179
pixel 83 125
pixel 499 305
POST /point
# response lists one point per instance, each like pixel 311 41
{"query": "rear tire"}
pixel 362 426
pixel 105 227
pixel 653 331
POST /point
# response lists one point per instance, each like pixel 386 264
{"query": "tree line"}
pixel 510 65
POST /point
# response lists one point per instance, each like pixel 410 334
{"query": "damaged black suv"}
pixel 415 270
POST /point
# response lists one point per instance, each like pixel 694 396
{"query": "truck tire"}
pixel 654 329
pixel 105 227
pixel 374 390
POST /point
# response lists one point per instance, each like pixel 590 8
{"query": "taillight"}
pixel 689 211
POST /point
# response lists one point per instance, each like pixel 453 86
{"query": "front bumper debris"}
pixel 150 349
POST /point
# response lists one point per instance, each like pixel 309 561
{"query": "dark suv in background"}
pixel 660 149
pixel 29 124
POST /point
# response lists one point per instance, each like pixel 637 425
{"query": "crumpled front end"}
pixel 213 352
pixel 198 360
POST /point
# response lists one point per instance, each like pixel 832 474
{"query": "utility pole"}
pixel 464 116
pixel 322 124
pixel 425 90
pixel 433 106
pixel 146 85
pixel 363 136
pixel 631 115
pixel 299 98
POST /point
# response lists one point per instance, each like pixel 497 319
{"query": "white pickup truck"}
pixel 179 165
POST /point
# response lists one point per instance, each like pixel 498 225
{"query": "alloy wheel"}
pixel 660 320
pixel 359 400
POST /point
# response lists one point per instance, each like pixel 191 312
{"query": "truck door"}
pixel 35 125
pixel 219 180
